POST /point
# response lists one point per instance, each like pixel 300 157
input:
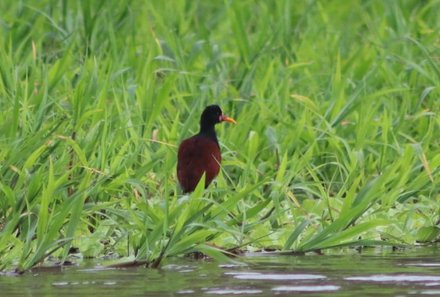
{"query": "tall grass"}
pixel 337 142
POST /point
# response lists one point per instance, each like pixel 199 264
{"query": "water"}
pixel 414 272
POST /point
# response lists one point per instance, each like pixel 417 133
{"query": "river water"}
pixel 408 272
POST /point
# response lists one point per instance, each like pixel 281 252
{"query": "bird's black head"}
pixel 211 115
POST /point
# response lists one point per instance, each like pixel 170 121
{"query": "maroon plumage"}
pixel 196 156
pixel 201 153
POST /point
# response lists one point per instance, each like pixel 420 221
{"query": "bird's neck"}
pixel 208 132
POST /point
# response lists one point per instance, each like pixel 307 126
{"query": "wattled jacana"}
pixel 201 153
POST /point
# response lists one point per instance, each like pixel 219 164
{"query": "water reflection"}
pixel 411 272
pixel 426 292
pixel 232 292
pixel 395 278
pixel 306 288
pixel 423 264
pixel 281 277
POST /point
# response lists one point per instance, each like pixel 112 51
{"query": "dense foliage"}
pixel 337 142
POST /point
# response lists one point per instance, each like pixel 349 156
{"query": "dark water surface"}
pixel 414 272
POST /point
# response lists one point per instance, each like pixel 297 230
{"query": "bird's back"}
pixel 196 156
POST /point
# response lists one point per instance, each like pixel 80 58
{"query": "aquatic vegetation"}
pixel 337 141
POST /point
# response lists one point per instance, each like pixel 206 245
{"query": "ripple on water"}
pixel 96 269
pixel 282 277
pixel 395 278
pixel 60 284
pixel 423 264
pixel 185 292
pixel 432 284
pixel 180 268
pixel 313 288
pixel 233 292
pixel 83 283
pixel 241 273
pixel 429 292
pixel 230 265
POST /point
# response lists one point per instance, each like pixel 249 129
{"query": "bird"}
pixel 200 154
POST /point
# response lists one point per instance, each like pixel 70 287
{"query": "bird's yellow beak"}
pixel 224 118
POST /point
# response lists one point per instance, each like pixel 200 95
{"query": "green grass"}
pixel 337 142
